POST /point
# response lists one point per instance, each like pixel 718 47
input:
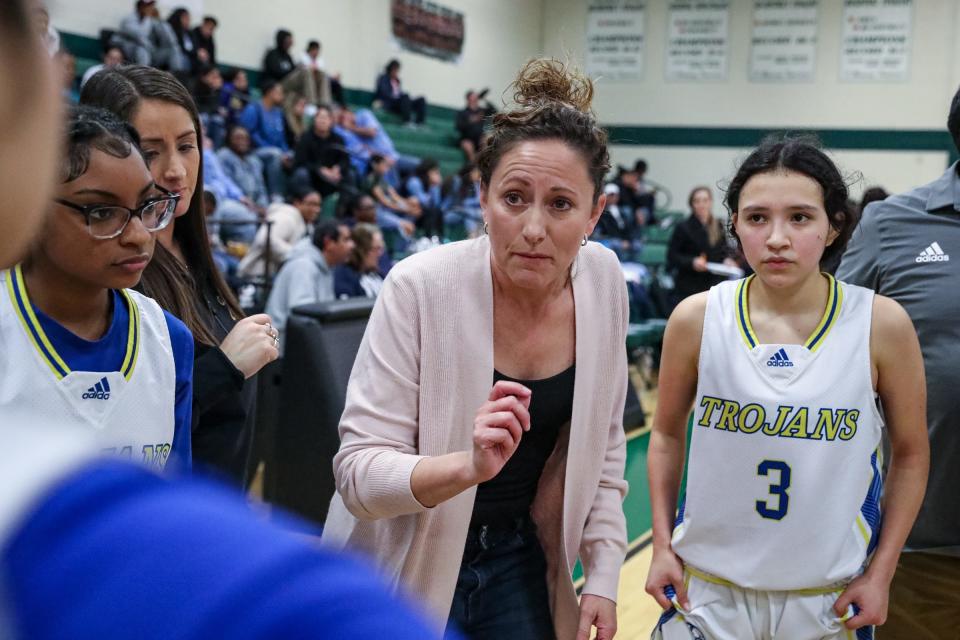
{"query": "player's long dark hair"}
pixel 177 289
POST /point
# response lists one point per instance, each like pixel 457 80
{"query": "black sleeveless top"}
pixel 509 495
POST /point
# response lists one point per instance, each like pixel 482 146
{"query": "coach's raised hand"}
pixel 497 429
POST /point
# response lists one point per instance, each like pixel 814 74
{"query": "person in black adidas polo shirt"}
pixel 907 247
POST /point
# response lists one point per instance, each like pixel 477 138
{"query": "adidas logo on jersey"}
pixel 779 359
pixel 99 391
pixel 933 253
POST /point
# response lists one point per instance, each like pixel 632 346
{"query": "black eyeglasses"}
pixel 109 221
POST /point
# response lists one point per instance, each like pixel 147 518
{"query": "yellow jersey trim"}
pixel 21 304
pixel 17 290
pixel 819 334
pixel 706 577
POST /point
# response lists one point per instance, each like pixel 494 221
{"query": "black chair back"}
pixel 322 341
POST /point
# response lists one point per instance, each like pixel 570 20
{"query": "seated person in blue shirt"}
pixel 424 185
pixel 461 204
pixel 93 548
pixel 265 121
pixel 101 357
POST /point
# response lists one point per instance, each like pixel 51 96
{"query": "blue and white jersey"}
pixel 128 404
pixel 784 482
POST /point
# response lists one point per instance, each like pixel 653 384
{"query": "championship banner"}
pixel 428 28
pixel 615 38
pixel 697 40
pixel 783 46
pixel 876 40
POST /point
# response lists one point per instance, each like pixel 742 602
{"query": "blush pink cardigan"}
pixel 424 368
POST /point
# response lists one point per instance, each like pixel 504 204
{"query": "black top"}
pixel 314 152
pixel 689 240
pixel 277 64
pixel 224 404
pixel 470 122
pixel 201 41
pixel 509 495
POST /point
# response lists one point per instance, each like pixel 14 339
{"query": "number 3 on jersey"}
pixel 764 508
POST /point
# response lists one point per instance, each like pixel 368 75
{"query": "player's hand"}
pixel 599 612
pixel 700 263
pixel 666 569
pixel 868 594
pixel 251 344
pixel 498 426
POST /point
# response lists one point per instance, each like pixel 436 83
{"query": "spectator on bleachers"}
pixel 425 185
pixel 359 209
pixel 461 206
pixel 277 63
pixel 137 33
pixel 393 211
pixel 644 192
pixel 289 223
pixel 617 227
pixel 307 275
pixel 359 276
pixel 204 42
pixel 357 145
pixel 312 59
pixel 696 240
pixel 226 263
pixel 632 195
pixel 207 86
pixel 295 117
pixel 321 158
pixel 413 111
pixel 246 171
pixel 872 194
pixel 66 65
pixel 305 83
pixel 364 124
pixel 235 94
pixel 112 57
pixel 471 122
pixel 241 214
pixel 185 58
pixel 264 120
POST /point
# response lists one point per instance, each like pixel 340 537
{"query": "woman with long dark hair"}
pixel 695 242
pixel 182 276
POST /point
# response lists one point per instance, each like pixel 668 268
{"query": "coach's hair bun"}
pixel 550 80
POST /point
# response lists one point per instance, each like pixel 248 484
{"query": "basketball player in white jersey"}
pixel 79 347
pixel 779 534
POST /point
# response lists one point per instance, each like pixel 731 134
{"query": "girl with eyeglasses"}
pixel 88 350
pixel 182 277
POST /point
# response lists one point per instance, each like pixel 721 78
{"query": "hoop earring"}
pixel 486 229
pixel 583 242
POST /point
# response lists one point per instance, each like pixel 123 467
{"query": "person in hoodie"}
pixel 307 275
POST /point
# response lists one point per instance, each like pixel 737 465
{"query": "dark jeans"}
pixel 502 588
pixel 410 109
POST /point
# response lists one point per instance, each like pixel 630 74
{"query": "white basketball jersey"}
pixel 130 411
pixel 783 485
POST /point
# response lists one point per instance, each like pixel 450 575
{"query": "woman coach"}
pixel 482 445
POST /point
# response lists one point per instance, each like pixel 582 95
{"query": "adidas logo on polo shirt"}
pixel 779 359
pixel 99 391
pixel 933 253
